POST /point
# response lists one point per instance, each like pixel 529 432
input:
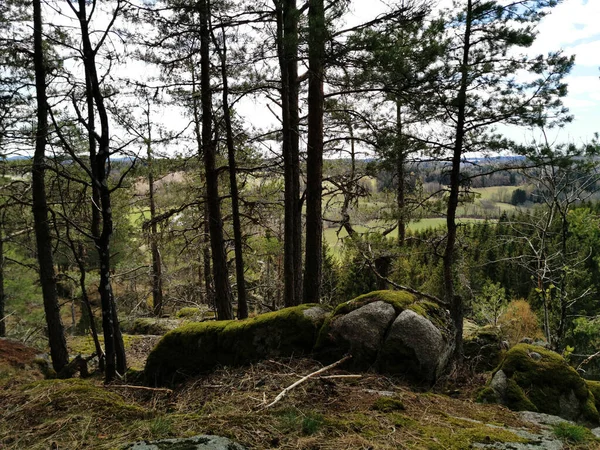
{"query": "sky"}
pixel 571 26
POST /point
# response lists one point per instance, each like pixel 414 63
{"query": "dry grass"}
pixel 322 413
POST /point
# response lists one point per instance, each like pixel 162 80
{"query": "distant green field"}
pixel 137 216
pixel 334 240
pixel 496 193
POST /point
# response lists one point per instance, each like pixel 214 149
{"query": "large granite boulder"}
pixel 361 332
pixel 394 332
pixel 532 378
pixel 199 347
pixel 204 442
pixel 414 346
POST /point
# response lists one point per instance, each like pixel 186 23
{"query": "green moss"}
pixel 487 395
pixel 189 312
pixel 538 385
pixel 199 347
pixel 516 398
pixel 153 325
pixel 388 404
pixel 594 387
pixel 84 345
pixel 400 420
pixel 435 313
pixel 482 348
pixel 76 394
pixel 461 434
pixel 400 300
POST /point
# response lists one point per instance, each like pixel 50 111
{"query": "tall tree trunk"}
pixel 287 43
pixel 2 294
pixel 96 219
pixel 314 163
pixel 400 173
pixel 113 340
pixel 204 212
pixel 56 335
pixel 219 258
pixel 455 301
pixel 157 291
pixel 209 285
pixel 242 311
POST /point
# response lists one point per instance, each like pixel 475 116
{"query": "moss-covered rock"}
pixel 199 347
pixel 535 379
pixel 400 300
pixel 151 325
pixel 483 348
pixel 393 331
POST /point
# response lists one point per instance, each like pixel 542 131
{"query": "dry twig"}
pixel 143 388
pixel 307 377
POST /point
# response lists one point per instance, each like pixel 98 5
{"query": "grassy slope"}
pixel 338 413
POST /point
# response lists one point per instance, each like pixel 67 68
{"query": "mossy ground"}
pixel 323 413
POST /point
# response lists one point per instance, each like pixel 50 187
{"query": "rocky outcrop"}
pixel 390 331
pixel 393 332
pixel 532 378
pixel 204 442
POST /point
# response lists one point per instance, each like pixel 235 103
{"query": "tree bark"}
pixel 56 335
pixel 113 340
pixel 455 301
pixel 400 173
pixel 2 294
pixel 314 170
pixel 219 259
pixel 157 291
pixel 242 311
pixel 208 281
pixel 287 43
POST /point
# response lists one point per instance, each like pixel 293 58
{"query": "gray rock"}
pixel 543 420
pixel 499 384
pixel 415 339
pixel 317 314
pixel 542 344
pixel 204 442
pixel 569 406
pixel 535 356
pixel 361 331
pixel 596 432
pixel 537 441
pixel 526 340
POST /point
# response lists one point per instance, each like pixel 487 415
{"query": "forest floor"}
pixel 338 410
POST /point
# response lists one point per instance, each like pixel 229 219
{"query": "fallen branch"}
pixel 307 377
pixel 587 361
pixel 142 388
pixel 335 377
